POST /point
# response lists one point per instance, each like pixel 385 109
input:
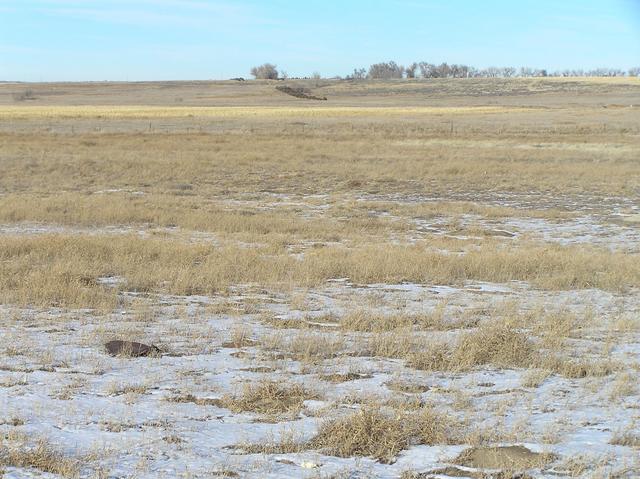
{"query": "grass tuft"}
pixel 42 457
pixel 269 398
pixel 380 434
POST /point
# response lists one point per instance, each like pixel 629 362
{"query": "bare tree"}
pixel 444 70
pixel 267 71
pixel 459 71
pixel 455 71
pixel 531 72
pixel 634 72
pixel 605 72
pixel 427 70
pixel 508 72
pixel 526 72
pixel 491 72
pixel 385 71
pixel 410 71
pixel 358 74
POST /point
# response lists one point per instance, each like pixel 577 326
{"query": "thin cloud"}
pixel 189 13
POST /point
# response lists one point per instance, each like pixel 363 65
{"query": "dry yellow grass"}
pixel 381 434
pixel 64 270
pixel 147 112
pixel 628 437
pixel 367 320
pixel 329 159
pixel 272 225
pixel 630 80
pixel 269 398
pixel 497 344
pixel 304 346
pixel 42 456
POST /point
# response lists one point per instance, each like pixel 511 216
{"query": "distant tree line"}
pixel 392 70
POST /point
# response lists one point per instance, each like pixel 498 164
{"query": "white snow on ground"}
pixel 57 378
pixel 592 230
pixel 582 230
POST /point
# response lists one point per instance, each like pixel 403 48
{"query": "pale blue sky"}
pixel 200 39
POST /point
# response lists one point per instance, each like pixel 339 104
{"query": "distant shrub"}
pixel 25 95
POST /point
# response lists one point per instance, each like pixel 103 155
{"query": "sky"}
pixel 92 40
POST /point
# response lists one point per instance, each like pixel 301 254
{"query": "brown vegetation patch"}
pixel 225 473
pixel 237 343
pixel 407 387
pixel 511 458
pixel 258 369
pixel 344 377
pixel 452 471
pixel 190 398
pixel 299 92
pixel 130 349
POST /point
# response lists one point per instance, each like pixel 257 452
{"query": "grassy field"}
pixel 144 112
pixel 411 279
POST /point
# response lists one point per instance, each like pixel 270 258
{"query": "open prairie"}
pixel 411 279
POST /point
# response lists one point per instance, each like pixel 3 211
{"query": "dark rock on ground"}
pixel 130 349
